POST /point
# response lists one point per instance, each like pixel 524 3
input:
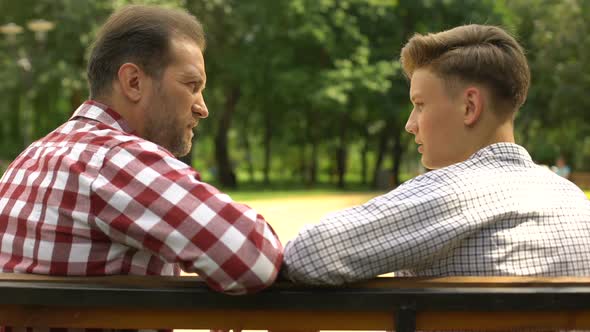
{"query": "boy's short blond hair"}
pixel 481 54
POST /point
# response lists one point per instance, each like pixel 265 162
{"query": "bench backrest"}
pixel 453 303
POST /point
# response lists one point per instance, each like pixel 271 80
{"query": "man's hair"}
pixel 142 35
pixel 482 54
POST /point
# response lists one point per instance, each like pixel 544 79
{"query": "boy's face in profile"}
pixel 436 120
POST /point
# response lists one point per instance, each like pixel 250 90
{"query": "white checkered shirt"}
pixel 495 214
pixel 93 199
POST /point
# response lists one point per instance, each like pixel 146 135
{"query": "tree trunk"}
pixel 382 147
pixel 341 151
pixel 365 160
pixel 267 145
pixel 302 169
pixel 248 148
pixel 397 152
pixel 313 164
pixel 226 175
pixel 341 165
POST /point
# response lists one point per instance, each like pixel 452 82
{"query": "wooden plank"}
pixel 472 281
pixel 490 299
pixel 119 280
pixel 130 318
pixel 383 282
pixel 128 302
pixel 503 321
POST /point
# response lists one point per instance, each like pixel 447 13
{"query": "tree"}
pixel 43 80
pixel 553 120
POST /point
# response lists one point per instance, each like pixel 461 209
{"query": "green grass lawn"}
pixel 288 212
pixel 257 191
pixel 266 194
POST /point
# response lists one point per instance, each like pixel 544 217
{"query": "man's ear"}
pixel 474 104
pixel 131 81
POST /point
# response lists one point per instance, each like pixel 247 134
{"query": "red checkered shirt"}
pixel 92 199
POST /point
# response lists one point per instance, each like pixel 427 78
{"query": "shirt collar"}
pixel 94 110
pixel 505 150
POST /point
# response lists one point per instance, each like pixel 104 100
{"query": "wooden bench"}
pixel 455 303
pixel 581 179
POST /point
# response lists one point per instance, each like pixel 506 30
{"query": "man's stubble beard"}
pixel 165 130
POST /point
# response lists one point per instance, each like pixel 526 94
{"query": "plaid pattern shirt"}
pixel 93 199
pixel 496 213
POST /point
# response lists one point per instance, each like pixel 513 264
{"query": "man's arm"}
pixel 405 229
pixel 146 199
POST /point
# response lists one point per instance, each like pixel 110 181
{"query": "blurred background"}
pixel 303 93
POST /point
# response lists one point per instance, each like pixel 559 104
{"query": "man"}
pixel 104 194
pixel 484 209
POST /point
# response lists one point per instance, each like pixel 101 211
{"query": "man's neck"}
pixel 124 109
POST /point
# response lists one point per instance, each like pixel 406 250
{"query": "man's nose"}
pixel 200 110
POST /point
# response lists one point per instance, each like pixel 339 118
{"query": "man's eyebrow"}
pixel 195 78
pixel 199 80
pixel 190 75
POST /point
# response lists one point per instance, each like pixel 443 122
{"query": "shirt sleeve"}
pixel 146 199
pixel 405 229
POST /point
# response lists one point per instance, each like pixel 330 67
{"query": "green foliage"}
pixel 555 34
pixel 43 80
pixel 318 82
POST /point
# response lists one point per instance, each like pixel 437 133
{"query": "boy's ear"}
pixel 473 105
pixel 131 81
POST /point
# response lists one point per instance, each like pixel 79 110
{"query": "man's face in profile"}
pixel 176 102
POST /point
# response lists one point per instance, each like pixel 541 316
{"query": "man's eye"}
pixel 193 86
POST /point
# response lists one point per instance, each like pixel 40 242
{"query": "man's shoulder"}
pixel 95 135
pixel 91 142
